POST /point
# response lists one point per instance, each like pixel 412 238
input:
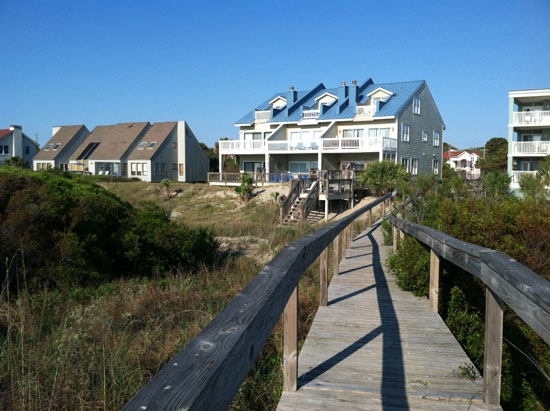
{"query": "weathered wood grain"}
pixel 323 277
pixel 394 229
pixel 290 342
pixel 494 315
pixel 434 281
pixel 335 255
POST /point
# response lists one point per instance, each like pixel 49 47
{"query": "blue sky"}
pixel 209 63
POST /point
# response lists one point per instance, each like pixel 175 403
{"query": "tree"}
pixel 496 184
pixel 544 171
pixel 533 187
pixel 448 147
pixel 246 187
pixel 382 177
pixel 16 162
pixel 496 156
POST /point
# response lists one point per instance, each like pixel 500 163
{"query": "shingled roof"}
pixel 158 133
pixel 62 136
pixel 114 141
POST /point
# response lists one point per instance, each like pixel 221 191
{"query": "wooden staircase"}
pixel 294 215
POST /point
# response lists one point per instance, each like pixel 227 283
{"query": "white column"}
pixel 326 208
pixel 220 157
pixel 320 160
pixel 266 167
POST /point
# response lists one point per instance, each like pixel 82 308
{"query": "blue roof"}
pixel 344 108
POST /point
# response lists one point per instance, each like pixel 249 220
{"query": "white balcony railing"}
pixel 241 145
pixel 369 144
pixel 366 110
pixel 262 116
pixel 531 118
pixel 517 174
pixel 310 114
pixel 312 145
pixel 531 147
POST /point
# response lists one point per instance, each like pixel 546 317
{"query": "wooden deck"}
pixel 377 347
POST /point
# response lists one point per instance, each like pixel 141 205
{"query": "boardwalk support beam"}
pixel 335 256
pixel 434 281
pixel 493 348
pixel 323 278
pixel 290 362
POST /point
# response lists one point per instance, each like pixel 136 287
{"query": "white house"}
pixel 296 131
pixel 463 162
pixel 528 131
pixel 15 143
pixel 168 150
pixel 57 151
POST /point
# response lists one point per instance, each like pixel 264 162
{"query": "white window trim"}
pixel 438 138
pixel 424 136
pixel 414 166
pixel 403 126
pixel 416 106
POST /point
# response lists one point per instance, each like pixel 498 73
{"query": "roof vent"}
pixel 343 83
pixel 291 88
pixel 354 82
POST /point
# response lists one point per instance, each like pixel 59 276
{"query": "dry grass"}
pixel 94 348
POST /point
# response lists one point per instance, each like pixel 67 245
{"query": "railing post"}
pixel 370 218
pixel 493 348
pixel 290 342
pixel 344 242
pixel 434 281
pixel 335 256
pixel 323 278
pixel 383 208
pixel 394 239
pixel 350 234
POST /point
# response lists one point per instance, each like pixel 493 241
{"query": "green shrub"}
pixel 411 267
pixel 382 177
pixel 387 232
pixel 245 189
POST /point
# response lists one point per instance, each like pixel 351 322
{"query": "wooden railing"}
pixel 296 186
pixel 507 282
pixel 209 370
pixel 310 201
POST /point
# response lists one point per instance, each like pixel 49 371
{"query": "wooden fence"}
pixel 507 282
pixel 209 370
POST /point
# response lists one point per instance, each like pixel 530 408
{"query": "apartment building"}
pixel 296 131
pixel 528 131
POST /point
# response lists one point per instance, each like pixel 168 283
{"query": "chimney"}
pixel 17 141
pixel 291 97
pixel 342 93
pixel 353 93
pixel 14 127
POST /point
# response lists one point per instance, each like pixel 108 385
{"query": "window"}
pixel 174 166
pixel 142 145
pixel 416 105
pixel 436 138
pixel 435 166
pixel 133 168
pixel 379 132
pixel 405 131
pixel 144 168
pixel 252 166
pixel 48 147
pixel 406 164
pixel 27 150
pixel 57 145
pixel 138 169
pixel 4 149
pixel 160 169
pixel 174 144
pixel 424 136
pixel 414 167
pixel 252 136
pixel 151 145
pixel 353 133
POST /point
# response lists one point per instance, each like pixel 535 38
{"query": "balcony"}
pixel 517 174
pixel 366 110
pixel 291 146
pixel 368 144
pixel 241 146
pixel 531 118
pixel 310 114
pixel 262 116
pixel 531 148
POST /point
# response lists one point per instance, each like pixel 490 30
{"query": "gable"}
pixel 326 99
pixel 278 102
pixel 380 93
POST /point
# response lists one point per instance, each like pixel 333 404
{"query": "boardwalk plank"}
pixel 377 347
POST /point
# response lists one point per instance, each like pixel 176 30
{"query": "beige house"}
pixel 168 150
pixel 57 151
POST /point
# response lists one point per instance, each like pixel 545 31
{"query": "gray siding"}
pixel 196 162
pixel 69 149
pixel 428 120
pixel 168 154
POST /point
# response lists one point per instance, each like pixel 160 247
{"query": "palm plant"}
pixel 382 177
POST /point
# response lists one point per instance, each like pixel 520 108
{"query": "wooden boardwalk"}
pixel 377 347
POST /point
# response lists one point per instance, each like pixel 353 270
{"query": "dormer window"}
pixel 379 94
pixel 326 99
pixel 142 145
pixel 57 145
pixel 49 147
pixel 278 102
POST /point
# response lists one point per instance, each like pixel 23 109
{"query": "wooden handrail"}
pixel 507 281
pixel 311 200
pixel 294 192
pixel 209 370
